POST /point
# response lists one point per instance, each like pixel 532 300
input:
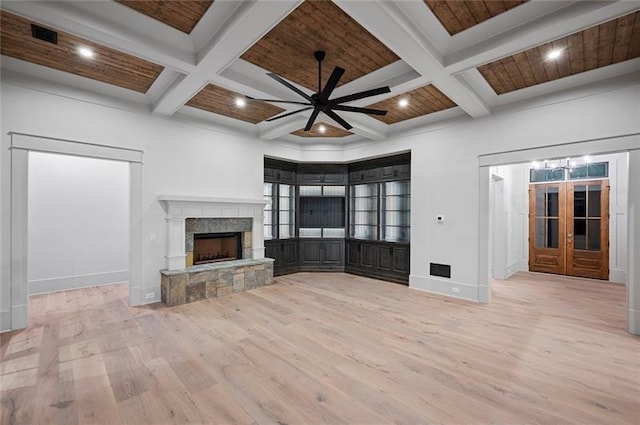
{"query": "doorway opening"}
pixel 17 226
pixel 560 221
pixel 78 222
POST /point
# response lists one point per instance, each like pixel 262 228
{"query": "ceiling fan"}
pixel 320 101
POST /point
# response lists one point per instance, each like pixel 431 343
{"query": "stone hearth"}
pixel 214 280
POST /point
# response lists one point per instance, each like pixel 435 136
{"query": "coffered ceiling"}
pixel 442 59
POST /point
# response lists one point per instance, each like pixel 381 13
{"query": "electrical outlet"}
pixel 455 290
pixel 149 295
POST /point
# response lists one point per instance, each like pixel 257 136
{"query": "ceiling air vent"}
pixel 44 34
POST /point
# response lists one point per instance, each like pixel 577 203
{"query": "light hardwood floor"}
pixel 328 348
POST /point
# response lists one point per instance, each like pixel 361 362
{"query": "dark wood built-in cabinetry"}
pixel 346 217
pixel 384 260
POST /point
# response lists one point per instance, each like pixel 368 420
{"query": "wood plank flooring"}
pixel 327 348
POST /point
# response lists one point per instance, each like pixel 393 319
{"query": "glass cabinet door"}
pixel 363 211
pixel 396 211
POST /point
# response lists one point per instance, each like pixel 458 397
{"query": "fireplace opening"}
pixel 214 247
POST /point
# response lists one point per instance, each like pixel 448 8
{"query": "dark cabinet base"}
pixel 321 255
pixel 380 260
pixel 285 254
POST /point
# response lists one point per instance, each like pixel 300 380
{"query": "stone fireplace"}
pixel 215 247
pixel 187 216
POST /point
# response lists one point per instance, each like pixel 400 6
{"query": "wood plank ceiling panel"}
pixel 612 42
pixel 459 15
pixel 221 101
pixel 288 48
pixel 182 15
pixel 421 101
pixel 108 65
pixel 330 131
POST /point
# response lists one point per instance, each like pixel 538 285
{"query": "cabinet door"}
pixel 401 259
pixel 285 176
pixel 269 174
pixel 385 258
pixel 272 250
pixel 310 178
pixel 289 253
pixel 387 172
pixel 363 176
pixel 368 255
pixel 333 253
pixel 353 253
pixel 404 171
pixel 332 177
pixel 310 253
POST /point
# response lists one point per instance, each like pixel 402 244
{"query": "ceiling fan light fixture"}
pixel 322 129
pixel 321 101
pixel 403 103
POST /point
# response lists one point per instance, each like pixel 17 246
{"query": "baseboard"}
pixel 444 287
pixel 634 322
pixel 5 320
pixel 73 282
pixel 518 266
pixel 618 276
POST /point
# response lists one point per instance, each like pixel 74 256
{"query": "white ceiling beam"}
pixel 387 22
pixel 247 25
pixel 113 25
pixel 212 21
pixel 569 20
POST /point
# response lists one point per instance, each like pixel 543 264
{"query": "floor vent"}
pixel 44 34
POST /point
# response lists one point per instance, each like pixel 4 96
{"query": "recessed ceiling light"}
pixel 322 128
pixel 240 102
pixel 85 52
pixel 554 54
pixel 403 103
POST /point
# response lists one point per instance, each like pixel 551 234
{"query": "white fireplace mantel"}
pixel 179 208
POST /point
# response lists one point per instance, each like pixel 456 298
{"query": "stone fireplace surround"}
pixel 186 216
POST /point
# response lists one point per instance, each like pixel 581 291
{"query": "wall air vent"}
pixel 440 270
pixel 44 34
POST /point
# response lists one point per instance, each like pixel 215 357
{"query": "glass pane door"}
pixel 547 231
pixel 547 216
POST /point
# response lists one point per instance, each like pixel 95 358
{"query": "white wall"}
pixel 178 160
pixel 78 222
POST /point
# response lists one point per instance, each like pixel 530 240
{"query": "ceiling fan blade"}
pixel 361 95
pixel 312 119
pixel 356 109
pixel 276 101
pixel 288 113
pixel 289 85
pixel 337 119
pixel 332 82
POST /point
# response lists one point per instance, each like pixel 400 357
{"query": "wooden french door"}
pixel 569 228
